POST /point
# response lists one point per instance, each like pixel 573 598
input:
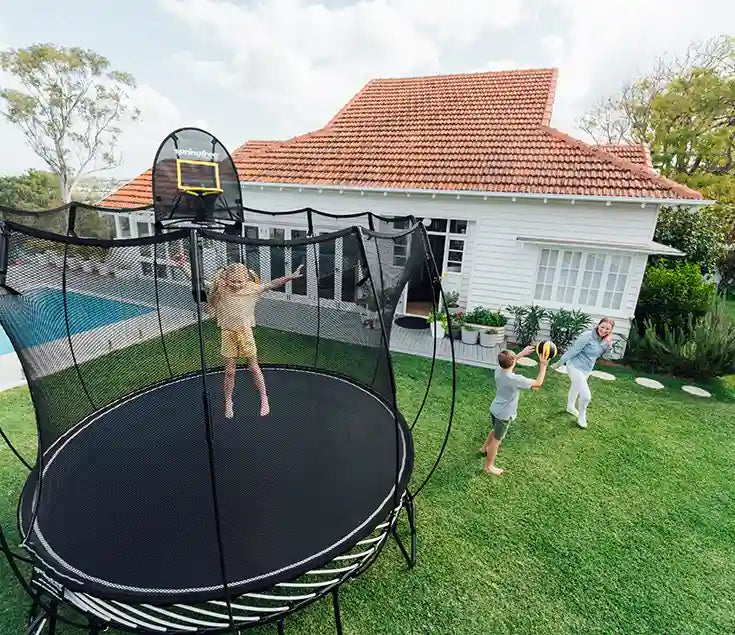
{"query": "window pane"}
pixel 437 225
pixel 454 268
pixel 278 257
pixel 325 283
pixel 455 256
pixel 458 227
pixel 568 275
pixel 617 281
pixel 456 245
pixel 298 256
pixel 124 227
pixel 594 265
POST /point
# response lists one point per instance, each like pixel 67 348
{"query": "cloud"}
pixel 607 44
pixel 302 62
pixel 158 117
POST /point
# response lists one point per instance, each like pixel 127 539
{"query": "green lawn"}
pixel 731 306
pixel 627 527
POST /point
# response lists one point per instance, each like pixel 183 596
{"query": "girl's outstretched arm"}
pixel 279 282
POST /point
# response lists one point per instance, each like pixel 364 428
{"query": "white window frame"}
pixel 449 236
pixel 598 307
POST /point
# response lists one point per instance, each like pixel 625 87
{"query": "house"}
pixel 517 211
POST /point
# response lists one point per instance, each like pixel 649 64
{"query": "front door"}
pixel 422 292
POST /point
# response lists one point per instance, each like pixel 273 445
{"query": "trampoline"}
pixel 315 451
pixel 149 507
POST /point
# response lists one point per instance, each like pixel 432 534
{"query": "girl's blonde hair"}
pixel 235 267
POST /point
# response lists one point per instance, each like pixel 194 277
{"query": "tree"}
pixel 701 235
pixel 684 111
pixel 33 190
pixel 69 108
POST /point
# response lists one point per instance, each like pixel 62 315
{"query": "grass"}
pixel 730 306
pixel 628 526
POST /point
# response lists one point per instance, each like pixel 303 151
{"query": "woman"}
pixel 580 359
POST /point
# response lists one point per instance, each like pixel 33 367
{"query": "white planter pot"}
pixel 470 337
pixel 492 337
pixel 104 269
pixel 437 330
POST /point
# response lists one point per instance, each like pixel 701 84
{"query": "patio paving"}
pixel 421 343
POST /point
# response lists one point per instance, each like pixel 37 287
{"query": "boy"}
pixel 504 408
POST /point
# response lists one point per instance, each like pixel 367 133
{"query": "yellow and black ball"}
pixel 546 349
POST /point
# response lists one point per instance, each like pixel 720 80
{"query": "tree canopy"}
pixel 69 105
pixel 684 111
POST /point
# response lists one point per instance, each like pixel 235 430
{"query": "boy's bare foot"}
pixel 228 409
pixel 492 469
pixel 264 408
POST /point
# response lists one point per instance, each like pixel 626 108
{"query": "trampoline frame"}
pixel 49 597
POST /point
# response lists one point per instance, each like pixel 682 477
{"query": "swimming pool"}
pixel 86 312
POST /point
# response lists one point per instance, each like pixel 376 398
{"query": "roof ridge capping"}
pixel 641 170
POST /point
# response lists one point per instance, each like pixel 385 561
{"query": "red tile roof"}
pixel 483 131
pixel 635 152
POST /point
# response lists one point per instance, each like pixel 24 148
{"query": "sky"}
pixel 274 69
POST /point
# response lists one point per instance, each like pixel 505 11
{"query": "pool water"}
pixel 86 312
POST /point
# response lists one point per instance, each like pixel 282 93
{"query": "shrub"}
pixel 705 348
pixel 565 326
pixel 486 317
pixel 700 234
pixel 527 322
pixel 451 299
pixel 727 273
pixel 671 295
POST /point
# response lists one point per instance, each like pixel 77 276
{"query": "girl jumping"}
pixel 231 300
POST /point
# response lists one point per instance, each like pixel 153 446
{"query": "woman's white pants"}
pixel 579 389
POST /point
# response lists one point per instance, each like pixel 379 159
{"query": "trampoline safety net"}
pixel 160 368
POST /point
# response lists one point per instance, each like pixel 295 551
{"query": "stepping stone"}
pixel 527 361
pixel 561 369
pixel 649 383
pixel 695 390
pixel 602 375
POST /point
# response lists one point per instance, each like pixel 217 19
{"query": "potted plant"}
pixel 451 302
pixel 493 333
pixel 470 334
pixel 457 322
pixel 435 324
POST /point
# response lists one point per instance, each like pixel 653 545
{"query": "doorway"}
pixel 422 292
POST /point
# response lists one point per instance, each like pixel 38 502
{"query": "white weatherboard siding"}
pixel 498 270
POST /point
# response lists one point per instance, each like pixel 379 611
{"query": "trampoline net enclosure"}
pixel 143 489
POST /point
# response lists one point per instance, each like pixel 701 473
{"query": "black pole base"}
pixel 410 513
pixel 42 621
pixel 337 613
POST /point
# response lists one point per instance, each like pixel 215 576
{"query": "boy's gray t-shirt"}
pixel 508 386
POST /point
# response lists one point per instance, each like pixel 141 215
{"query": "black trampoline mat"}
pixel 126 500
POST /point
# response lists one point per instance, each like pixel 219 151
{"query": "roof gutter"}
pixel 572 198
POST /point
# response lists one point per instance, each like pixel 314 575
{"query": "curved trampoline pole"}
pixel 196 288
pixel 454 382
pixel 395 511
pixel 158 309
pixel 430 273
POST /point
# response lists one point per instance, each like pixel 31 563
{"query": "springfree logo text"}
pixel 201 155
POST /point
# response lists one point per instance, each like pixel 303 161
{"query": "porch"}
pixel 421 343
